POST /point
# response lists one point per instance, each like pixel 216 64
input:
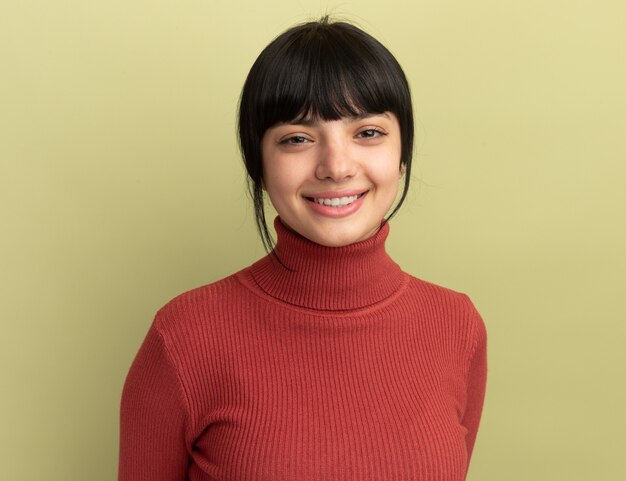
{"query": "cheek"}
pixel 278 177
pixel 288 168
pixel 283 179
pixel 388 173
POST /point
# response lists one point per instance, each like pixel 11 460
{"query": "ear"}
pixel 402 170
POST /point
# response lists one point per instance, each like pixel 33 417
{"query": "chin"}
pixel 331 232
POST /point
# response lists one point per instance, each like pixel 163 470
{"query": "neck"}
pixel 328 278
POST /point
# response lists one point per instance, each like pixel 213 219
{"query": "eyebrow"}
pixel 352 118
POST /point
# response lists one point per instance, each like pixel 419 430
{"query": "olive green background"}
pixel 121 186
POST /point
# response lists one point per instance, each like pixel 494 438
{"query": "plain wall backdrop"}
pixel 121 186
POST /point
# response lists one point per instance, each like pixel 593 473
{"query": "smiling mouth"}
pixel 336 201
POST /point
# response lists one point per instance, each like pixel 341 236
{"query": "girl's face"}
pixel 334 181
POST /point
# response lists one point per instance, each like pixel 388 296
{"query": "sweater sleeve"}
pixel 476 383
pixel 153 417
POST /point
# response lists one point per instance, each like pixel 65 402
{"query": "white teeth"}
pixel 338 201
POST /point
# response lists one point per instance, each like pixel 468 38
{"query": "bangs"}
pixel 325 75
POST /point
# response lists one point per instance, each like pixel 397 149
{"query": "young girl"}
pixel 322 361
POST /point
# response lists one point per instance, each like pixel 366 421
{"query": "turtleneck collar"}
pixel 328 278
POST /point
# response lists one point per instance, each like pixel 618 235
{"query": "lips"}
pixel 336 198
pixel 337 203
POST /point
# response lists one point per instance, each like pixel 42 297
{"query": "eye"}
pixel 370 133
pixel 294 140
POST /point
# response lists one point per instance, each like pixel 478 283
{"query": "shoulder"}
pixel 449 308
pixel 202 307
pixel 443 297
pixel 200 295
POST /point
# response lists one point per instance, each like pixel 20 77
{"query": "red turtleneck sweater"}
pixel 343 369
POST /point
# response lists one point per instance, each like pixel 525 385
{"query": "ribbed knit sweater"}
pixel 343 368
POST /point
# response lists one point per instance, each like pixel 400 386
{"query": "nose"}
pixel 335 161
